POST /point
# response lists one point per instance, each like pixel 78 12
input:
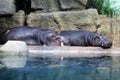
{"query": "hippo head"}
pixel 102 41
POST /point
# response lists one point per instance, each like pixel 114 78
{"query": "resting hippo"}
pixel 86 38
pixel 35 36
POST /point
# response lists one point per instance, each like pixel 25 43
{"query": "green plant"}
pixel 103 7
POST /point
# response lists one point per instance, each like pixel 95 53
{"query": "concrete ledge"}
pixel 69 51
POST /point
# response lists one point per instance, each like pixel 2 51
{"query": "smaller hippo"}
pixel 86 38
pixel 34 36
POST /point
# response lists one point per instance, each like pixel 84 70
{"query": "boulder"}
pixel 65 20
pixel 45 5
pixel 115 31
pixel 55 5
pixel 18 19
pixel 7 7
pixel 14 54
pixel 104 27
pixel 110 28
pixel 72 4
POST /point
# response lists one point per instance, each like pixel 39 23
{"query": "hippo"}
pixel 86 38
pixel 35 36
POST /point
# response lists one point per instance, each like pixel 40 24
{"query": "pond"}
pixel 100 68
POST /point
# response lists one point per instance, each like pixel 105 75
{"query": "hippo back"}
pixel 78 37
pixel 24 33
pixel 86 38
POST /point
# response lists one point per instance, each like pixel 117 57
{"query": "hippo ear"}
pixel 95 40
pixel 96 37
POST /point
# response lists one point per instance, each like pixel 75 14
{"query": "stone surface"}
pixel 18 19
pixel 71 51
pixel 14 54
pixel 69 20
pixel 110 28
pixel 13 47
pixel 7 7
pixel 45 5
pixel 115 31
pixel 55 5
pixel 73 4
pixel 104 27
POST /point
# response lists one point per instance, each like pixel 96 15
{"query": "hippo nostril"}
pixel 108 44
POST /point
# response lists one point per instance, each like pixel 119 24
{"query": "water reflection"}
pixel 102 68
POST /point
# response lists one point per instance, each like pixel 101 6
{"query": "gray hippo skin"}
pixel 34 36
pixel 86 38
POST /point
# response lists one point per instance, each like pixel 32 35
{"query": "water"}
pixel 102 68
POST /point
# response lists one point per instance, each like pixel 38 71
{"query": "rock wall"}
pixel 65 20
pixel 12 15
pixel 111 28
pixel 58 5
pixel 7 7
pixel 58 15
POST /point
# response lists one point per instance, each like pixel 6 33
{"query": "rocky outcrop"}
pixel 70 20
pixel 73 4
pixel 115 31
pixel 55 5
pixel 104 27
pixel 7 7
pixel 12 55
pixel 45 5
pixel 110 28
pixel 18 19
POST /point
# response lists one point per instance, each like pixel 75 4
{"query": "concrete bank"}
pixel 69 51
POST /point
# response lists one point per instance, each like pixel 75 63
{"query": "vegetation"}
pixel 103 7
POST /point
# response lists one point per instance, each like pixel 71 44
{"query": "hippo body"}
pixel 26 34
pixel 34 36
pixel 86 38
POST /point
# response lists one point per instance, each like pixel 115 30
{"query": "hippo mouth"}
pixel 106 45
pixel 56 41
pixel 103 42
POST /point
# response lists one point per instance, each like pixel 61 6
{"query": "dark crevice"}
pixel 59 5
pixel 25 22
pixel 23 5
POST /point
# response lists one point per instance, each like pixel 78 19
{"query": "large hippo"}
pixel 34 36
pixel 86 38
